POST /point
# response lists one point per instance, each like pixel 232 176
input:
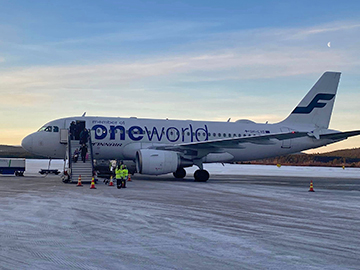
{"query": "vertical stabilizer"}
pixel 316 107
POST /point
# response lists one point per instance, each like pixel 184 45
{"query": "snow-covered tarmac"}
pixel 244 217
pixel 33 167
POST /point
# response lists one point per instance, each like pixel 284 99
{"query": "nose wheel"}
pixel 201 175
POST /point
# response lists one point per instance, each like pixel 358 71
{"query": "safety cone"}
pixel 92 186
pixel 79 182
pixel 311 187
pixel 129 178
pixel 111 181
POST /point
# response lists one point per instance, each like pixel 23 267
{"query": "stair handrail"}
pixel 69 156
pixel 91 152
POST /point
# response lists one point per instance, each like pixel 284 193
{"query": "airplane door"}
pixel 80 125
pixel 286 143
pixel 64 133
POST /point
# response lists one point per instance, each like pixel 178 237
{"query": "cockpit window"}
pixel 48 129
pixel 56 129
pixel 42 129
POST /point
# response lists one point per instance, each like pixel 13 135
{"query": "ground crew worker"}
pixel 118 176
pixel 125 174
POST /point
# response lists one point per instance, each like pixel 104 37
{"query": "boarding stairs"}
pixel 85 169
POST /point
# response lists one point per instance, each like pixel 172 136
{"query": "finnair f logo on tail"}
pixel 314 104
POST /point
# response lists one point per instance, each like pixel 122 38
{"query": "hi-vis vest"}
pixel 118 173
pixel 125 172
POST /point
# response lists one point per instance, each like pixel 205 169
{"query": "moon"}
pixel 329 44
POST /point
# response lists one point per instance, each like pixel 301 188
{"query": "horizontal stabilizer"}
pixel 340 135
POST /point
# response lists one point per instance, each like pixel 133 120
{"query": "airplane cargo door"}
pixel 286 143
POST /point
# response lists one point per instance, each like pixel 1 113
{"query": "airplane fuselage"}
pixel 120 138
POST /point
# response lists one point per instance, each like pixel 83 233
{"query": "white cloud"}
pixel 325 29
pixel 150 86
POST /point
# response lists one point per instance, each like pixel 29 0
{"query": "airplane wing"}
pixel 235 142
pixel 340 135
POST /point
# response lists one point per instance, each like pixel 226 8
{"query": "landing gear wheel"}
pixel 180 173
pixel 201 175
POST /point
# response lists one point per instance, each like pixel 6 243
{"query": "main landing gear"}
pixel 180 173
pixel 201 175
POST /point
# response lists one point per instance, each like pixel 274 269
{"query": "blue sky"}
pixel 202 60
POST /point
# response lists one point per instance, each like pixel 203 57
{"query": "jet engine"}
pixel 156 162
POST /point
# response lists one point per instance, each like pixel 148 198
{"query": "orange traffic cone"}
pixel 111 181
pixel 311 187
pixel 79 182
pixel 129 178
pixel 92 186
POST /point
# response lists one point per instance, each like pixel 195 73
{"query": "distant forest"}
pixel 339 158
pixel 346 157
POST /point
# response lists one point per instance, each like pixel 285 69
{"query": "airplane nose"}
pixel 27 143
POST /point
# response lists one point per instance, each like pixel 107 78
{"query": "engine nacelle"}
pixel 155 162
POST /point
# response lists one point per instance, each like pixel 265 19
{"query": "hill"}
pixel 345 153
pixel 345 157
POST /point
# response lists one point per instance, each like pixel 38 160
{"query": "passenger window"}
pixel 56 129
pixel 214 134
pixel 224 135
pixel 219 134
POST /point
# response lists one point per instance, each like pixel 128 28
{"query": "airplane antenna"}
pixel 83 114
pixel 229 119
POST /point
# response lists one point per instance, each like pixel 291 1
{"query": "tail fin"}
pixel 316 107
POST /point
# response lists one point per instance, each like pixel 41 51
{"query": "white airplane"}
pixel 167 146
